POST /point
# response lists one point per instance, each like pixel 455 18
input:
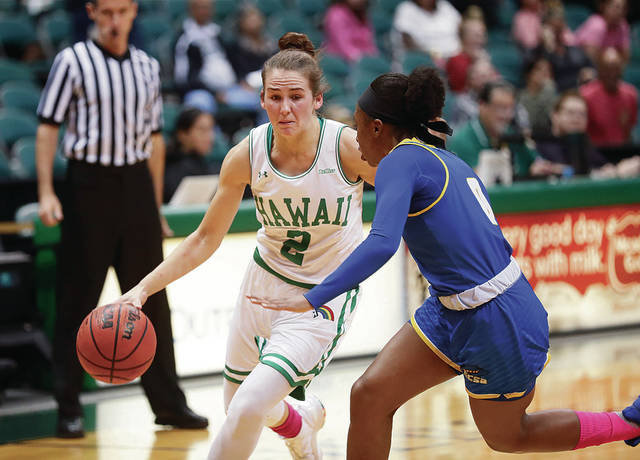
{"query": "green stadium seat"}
pixel 20 95
pixel 55 31
pixel 413 59
pixel 632 74
pixel 388 5
pixel 337 86
pixel 8 6
pixel 16 32
pixel 635 42
pixel 153 26
pixel 269 7
pixel 15 124
pixel 507 59
pixel 150 6
pixel 14 71
pixel 575 14
pixel 335 66
pixel 170 112
pixel 224 9
pixel 449 104
pixel 311 7
pixel 506 12
pixel 499 37
pixel 220 148
pixel 290 21
pixel 178 8
pixel 373 65
pixel 24 160
pixel 362 81
pixel 381 21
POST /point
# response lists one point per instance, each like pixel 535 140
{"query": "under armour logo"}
pixel 262 174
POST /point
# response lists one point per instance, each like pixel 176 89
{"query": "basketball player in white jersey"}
pixel 306 176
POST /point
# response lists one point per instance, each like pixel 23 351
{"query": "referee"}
pixel 108 93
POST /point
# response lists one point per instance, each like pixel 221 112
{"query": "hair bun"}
pixel 425 94
pixel 297 41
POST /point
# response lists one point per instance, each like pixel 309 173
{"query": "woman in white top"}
pixel 430 26
pixel 306 177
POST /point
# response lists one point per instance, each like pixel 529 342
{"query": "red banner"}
pixel 581 247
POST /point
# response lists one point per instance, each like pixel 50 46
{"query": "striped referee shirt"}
pixel 111 104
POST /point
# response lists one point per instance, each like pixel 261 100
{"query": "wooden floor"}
pixel 594 372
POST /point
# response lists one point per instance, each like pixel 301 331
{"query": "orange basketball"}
pixel 116 343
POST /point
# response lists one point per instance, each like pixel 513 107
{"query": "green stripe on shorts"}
pixel 290 372
pixel 351 301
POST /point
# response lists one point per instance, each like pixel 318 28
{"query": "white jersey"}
pixel 310 222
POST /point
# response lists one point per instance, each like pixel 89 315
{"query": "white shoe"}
pixel 305 445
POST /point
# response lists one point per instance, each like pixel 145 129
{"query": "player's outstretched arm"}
pixel 203 242
pixel 296 304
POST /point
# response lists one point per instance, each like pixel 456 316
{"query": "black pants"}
pixel 110 219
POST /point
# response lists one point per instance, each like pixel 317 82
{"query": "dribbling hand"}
pixel 297 304
pixel 135 296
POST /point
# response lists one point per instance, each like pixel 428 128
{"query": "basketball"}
pixel 116 343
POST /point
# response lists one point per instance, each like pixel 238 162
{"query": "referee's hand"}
pixel 50 210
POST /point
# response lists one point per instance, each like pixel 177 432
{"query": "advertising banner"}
pixel 583 263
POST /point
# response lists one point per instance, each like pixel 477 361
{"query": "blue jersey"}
pixel 437 203
pixel 451 231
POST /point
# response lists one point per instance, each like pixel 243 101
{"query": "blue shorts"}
pixel 500 347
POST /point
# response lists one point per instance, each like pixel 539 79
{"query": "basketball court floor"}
pixel 588 372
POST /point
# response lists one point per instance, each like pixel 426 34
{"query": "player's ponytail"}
pixel 424 101
pixel 297 53
pixel 424 98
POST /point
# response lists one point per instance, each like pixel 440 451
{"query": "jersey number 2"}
pixel 293 249
pixel 474 185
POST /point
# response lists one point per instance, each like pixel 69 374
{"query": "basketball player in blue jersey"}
pixel 482 320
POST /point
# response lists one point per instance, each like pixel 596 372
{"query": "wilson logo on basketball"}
pixel 130 325
pixel 107 318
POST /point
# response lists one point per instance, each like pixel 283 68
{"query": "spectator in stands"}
pixel 473 39
pixel 252 46
pixel 612 103
pixel 430 26
pixel 608 28
pixel 348 30
pixel 190 143
pixel 571 66
pixel 568 143
pixel 490 144
pixel 465 106
pixel 201 61
pixel 538 96
pixel 526 27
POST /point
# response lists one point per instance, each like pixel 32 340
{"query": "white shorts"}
pixel 299 345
